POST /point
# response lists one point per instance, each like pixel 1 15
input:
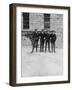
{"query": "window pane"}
pixel 47 15
pixel 46 21
pixel 25 20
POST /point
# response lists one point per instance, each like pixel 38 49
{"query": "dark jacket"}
pixel 35 36
pixel 53 37
pixel 47 37
pixel 42 36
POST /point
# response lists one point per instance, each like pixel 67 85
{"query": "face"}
pixel 42 31
pixel 53 32
pixel 35 30
pixel 48 32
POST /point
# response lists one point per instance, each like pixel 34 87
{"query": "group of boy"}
pixel 47 40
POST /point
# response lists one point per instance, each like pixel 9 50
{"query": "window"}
pixel 25 20
pixel 46 21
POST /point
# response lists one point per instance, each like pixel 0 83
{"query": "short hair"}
pixel 53 31
pixel 42 29
pixel 35 29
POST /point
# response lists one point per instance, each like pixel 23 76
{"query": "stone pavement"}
pixel 41 64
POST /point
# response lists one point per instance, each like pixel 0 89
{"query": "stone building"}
pixel 39 21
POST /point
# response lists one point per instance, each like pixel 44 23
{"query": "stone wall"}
pixel 56 23
pixel 37 22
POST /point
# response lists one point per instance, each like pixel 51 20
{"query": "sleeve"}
pixel 55 37
pixel 33 35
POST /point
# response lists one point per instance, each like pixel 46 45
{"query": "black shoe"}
pixel 31 51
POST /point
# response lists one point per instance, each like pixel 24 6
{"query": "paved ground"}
pixel 41 64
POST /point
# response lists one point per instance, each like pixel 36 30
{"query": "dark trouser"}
pixel 35 45
pixel 53 46
pixel 42 46
pixel 47 44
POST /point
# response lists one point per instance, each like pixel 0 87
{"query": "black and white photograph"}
pixel 41 44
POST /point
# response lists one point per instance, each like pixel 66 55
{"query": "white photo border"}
pixel 63 77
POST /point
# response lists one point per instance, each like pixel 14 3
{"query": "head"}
pixel 45 31
pixel 35 30
pixel 53 32
pixel 42 30
pixel 48 31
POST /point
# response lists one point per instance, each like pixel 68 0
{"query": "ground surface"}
pixel 41 64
